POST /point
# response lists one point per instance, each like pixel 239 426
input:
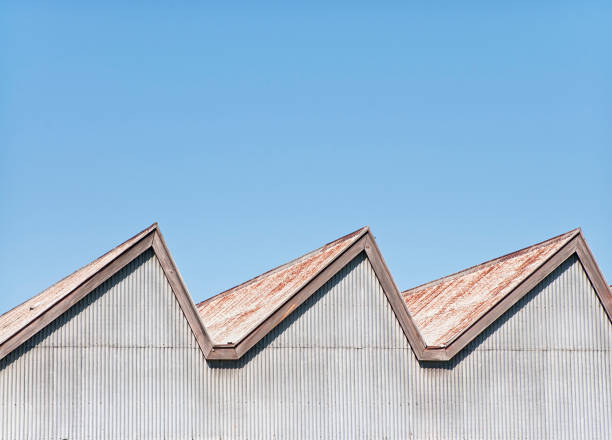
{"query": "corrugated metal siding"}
pixel 543 370
pixel 116 365
pixel 444 309
pixel 331 370
pixel 339 367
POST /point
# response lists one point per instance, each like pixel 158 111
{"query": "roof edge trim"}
pixel 152 239
pixel 181 293
pixel 360 232
pixel 236 350
pixel 571 234
pixel 366 243
pixel 576 245
pixel 84 288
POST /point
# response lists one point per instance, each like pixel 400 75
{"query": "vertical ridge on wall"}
pixel 108 367
pixel 540 371
pixel 331 369
pixel 123 363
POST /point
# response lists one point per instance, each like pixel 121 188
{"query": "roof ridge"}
pixel 147 230
pixel 359 231
pixel 570 234
pixel 144 232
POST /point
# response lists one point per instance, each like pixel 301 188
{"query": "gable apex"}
pixel 231 323
pixel 452 311
pixel 25 320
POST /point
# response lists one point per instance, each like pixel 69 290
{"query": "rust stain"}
pixel 443 309
pixel 233 314
pixel 289 310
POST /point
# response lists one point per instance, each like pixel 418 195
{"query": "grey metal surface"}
pixel 114 366
pixel 124 364
pixel 445 308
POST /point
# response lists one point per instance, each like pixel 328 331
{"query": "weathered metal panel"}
pixel 19 317
pixel 445 308
pixel 126 365
pixel 114 366
pixel 543 370
pixel 231 315
pixel 341 367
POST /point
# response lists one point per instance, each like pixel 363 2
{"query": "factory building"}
pixel 325 346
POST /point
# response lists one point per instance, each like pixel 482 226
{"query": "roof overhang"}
pixel 151 239
pixel 577 245
pixel 365 243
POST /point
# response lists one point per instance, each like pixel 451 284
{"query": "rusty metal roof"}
pixel 19 317
pixel 231 315
pixel 443 309
pixel 440 311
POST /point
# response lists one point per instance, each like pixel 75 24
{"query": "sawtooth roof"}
pixel 438 318
pixel 231 315
pixel 443 309
pixel 15 319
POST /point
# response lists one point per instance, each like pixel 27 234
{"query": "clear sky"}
pixel 458 132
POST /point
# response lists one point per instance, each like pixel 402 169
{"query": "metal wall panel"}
pixel 114 366
pixel 124 364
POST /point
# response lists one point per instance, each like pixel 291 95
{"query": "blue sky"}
pixel 253 135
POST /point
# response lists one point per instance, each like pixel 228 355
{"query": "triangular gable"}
pixel 243 315
pixel 24 321
pixel 311 271
pixel 450 312
pixel 231 315
pixel 562 313
pixel 544 259
pixel 445 308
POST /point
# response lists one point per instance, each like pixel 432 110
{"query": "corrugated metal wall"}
pixel 125 364
pixel 117 365
pixel 543 370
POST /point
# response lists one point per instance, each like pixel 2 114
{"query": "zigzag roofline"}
pixel 25 320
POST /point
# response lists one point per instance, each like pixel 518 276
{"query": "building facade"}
pixel 125 361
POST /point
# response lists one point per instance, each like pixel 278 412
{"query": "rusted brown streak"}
pixel 232 314
pixel 444 309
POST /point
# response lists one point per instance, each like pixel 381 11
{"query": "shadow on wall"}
pixel 444 365
pixel 284 325
pixel 76 309
pixel 498 323
pixel 289 320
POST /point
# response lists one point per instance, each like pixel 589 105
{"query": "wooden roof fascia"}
pixel 181 293
pixel 394 297
pixel 573 232
pixel 596 277
pixel 526 286
pixel 362 231
pixel 577 245
pixel 237 350
pixel 153 240
pixel 366 244
pixel 86 287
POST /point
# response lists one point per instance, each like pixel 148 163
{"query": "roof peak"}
pixel 357 232
pixel 142 233
pixel 234 313
pixel 568 236
pixel 15 319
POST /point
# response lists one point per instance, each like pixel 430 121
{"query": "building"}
pixel 325 346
